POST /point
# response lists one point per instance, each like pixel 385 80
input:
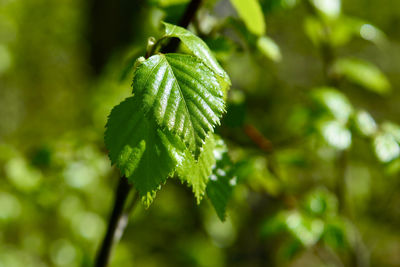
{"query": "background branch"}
pixel 187 17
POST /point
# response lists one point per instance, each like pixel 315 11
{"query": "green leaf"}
pixel 320 203
pixel 307 230
pixel 365 123
pixel 269 48
pixel 329 8
pixel 274 225
pixel 222 180
pixel 342 30
pixel 182 94
pixel 386 147
pixel 198 48
pixel 196 172
pixel 393 129
pixel 337 232
pixel 144 153
pixel 242 31
pixel 222 47
pixel 345 28
pixel 363 73
pixel 334 101
pixel 251 13
pixel 373 34
pixel 314 29
pixel 336 134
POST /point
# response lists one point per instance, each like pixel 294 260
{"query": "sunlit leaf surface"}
pixel 196 172
pixel 365 123
pixel 386 147
pixel 181 94
pixel 198 48
pixel 336 134
pixel 269 48
pixel 364 74
pixel 334 101
pixel 251 14
pixel 330 8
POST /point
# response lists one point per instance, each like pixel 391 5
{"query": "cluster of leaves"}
pixel 339 120
pixel 166 128
pixel 315 223
pixel 254 29
pixel 329 29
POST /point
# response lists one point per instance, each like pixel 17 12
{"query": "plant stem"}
pixel 119 218
pixel 187 17
pixel 116 226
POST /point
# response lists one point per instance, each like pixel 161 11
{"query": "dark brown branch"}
pixel 115 228
pixel 189 14
pixel 258 138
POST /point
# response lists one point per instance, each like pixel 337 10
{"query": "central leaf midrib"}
pixel 183 97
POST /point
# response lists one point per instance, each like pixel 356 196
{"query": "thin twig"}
pixel 258 138
pixel 187 17
pixel 114 232
pixel 123 222
pixel 119 218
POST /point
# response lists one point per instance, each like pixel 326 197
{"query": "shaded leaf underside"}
pixel 145 154
pixel 220 185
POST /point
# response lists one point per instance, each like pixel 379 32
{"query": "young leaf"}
pixel 345 28
pixel 221 183
pixel 306 229
pixel 334 101
pixel 363 73
pixel 386 147
pixel 329 8
pixel 336 134
pixel 393 129
pixel 198 48
pixel 365 123
pixel 222 47
pixel 342 30
pixel 182 94
pixel 320 203
pixel 269 48
pixel 314 29
pixel 251 13
pixel 142 152
pixel 373 34
pixel 196 172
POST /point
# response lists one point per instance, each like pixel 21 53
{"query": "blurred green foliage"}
pixel 312 131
